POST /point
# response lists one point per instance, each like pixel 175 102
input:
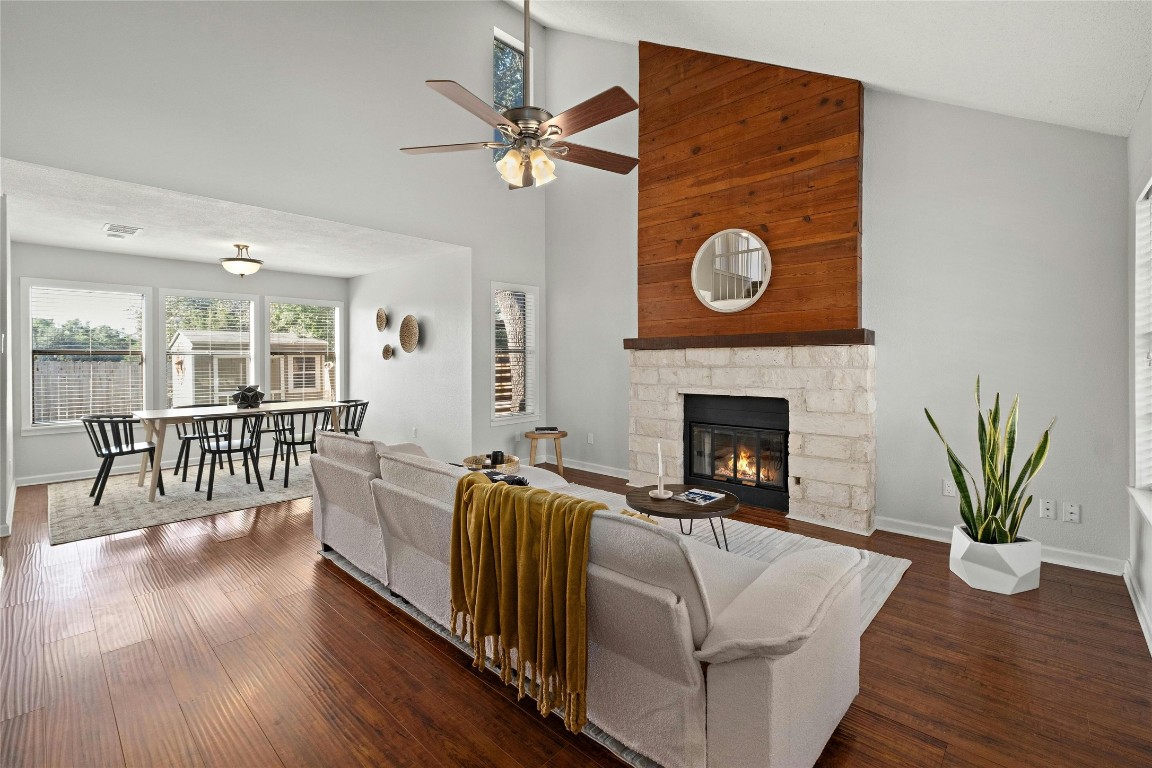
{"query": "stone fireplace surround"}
pixel 831 409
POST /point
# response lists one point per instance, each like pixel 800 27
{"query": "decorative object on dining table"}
pixel 248 397
pixel 659 492
pixel 386 353
pixel 381 319
pixel 484 462
pixel 409 333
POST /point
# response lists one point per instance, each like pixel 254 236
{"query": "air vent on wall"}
pixel 120 231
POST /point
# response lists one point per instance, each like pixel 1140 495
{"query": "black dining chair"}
pixel 291 430
pixel 187 436
pixel 223 436
pixel 112 436
pixel 351 419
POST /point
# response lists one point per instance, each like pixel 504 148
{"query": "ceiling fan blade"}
pixel 596 158
pixel 473 103
pixel 598 109
pixel 451 147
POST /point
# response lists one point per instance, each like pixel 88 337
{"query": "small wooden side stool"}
pixel 555 437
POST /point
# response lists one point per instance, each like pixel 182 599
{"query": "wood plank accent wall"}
pixel 731 143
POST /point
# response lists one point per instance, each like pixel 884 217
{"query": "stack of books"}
pixel 546 429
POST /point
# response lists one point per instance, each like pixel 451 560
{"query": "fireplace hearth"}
pixel 740 445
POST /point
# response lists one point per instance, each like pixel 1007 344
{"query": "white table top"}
pixel 228 410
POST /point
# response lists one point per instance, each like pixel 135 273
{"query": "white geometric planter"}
pixel 1004 568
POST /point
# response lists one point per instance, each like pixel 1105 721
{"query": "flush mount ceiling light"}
pixel 532 136
pixel 241 264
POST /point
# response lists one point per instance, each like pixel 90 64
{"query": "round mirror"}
pixel 731 270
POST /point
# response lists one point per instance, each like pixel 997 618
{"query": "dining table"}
pixel 156 421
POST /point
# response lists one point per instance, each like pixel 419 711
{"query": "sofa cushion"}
pixel 348 451
pixel 538 477
pixel 780 610
pixel 422 475
pixel 410 448
pixel 654 555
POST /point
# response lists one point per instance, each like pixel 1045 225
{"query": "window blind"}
pixel 87 353
pixel 1143 335
pixel 209 348
pixel 514 345
pixel 301 352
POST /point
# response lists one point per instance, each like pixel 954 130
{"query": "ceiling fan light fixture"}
pixel 511 167
pixel 543 169
pixel 241 264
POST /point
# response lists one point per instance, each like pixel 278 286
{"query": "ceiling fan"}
pixel 533 136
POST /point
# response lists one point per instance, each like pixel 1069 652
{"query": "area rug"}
pixel 125 505
pixel 880 576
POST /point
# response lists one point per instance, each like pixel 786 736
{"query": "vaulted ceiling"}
pixel 1082 64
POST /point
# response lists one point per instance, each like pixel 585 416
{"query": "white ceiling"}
pixel 1082 64
pixel 51 206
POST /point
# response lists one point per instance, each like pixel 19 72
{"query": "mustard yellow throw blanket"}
pixel 519 567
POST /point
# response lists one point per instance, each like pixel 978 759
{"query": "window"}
pixel 301 351
pixel 87 352
pixel 514 351
pixel 1143 336
pixel 507 79
pixel 303 373
pixel 209 348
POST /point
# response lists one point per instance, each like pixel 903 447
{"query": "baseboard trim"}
pixel 1140 603
pixel 588 466
pixel 1086 562
pixel 1055 555
pixel 909 528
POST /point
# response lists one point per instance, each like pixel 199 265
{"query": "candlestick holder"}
pixel 660 493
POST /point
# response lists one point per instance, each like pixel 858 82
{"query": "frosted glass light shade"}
pixel 241 264
pixel 510 168
pixel 543 169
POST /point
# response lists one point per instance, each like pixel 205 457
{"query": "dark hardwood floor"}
pixel 227 641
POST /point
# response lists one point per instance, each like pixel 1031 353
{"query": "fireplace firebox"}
pixel 739 445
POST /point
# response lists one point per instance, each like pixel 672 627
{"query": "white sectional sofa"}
pixel 697 658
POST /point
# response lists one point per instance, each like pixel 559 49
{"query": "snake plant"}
pixel 995 506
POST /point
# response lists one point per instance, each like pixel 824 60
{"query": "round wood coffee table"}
pixel 680 511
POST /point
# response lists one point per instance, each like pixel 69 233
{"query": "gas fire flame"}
pixel 742 466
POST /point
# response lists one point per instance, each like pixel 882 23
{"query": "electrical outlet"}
pixel 947 487
pixel 413 431
pixel 1070 513
pixel 591 439
pixel 1048 509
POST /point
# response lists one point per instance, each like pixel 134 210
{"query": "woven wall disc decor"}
pixel 409 333
pixel 381 319
pixel 386 353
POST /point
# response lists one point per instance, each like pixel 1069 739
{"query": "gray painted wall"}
pixel 298 107
pixel 47 456
pixel 429 389
pixel 996 246
pixel 1139 569
pixel 591 245
pixel 992 245
pixel 7 463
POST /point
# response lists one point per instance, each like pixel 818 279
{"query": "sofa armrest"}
pixel 342 486
pixel 777 613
